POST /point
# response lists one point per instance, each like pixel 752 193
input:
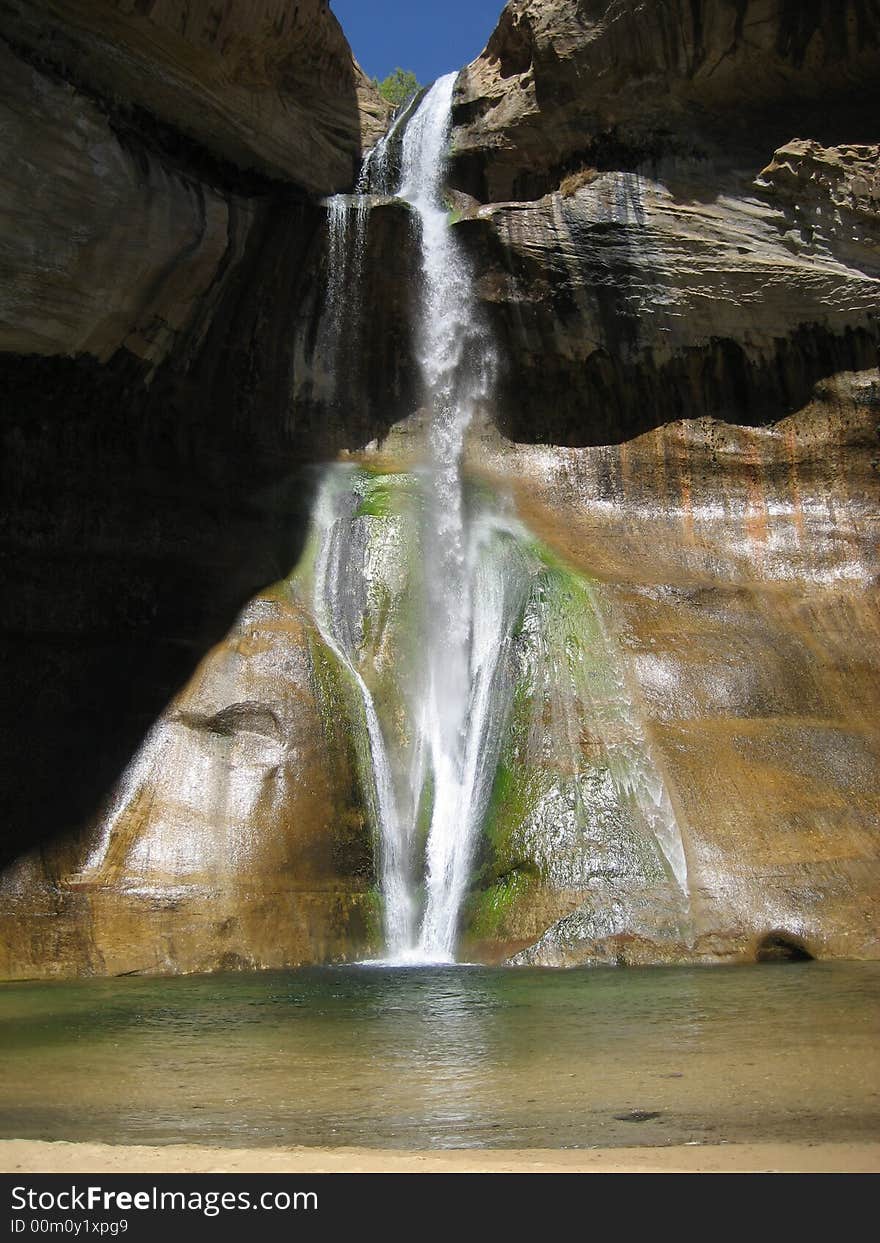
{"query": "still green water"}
pixel 447 1058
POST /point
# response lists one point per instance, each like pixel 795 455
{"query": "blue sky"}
pixel 430 37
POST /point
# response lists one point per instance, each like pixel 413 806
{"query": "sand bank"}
pixel 29 1156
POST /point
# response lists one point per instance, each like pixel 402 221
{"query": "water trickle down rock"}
pixel 582 834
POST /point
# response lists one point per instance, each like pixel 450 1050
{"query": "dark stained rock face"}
pixel 630 301
pixel 682 208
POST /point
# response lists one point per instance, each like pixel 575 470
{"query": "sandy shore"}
pixel 32 1157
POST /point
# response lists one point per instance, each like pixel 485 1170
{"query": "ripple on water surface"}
pixel 447 1057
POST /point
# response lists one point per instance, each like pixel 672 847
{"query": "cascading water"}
pixel 336 612
pixel 347 224
pixel 457 361
pixel 468 605
pixel 477 568
pixel 376 172
pixel 347 221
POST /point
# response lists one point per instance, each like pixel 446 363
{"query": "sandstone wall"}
pixel 157 228
pixel 737 569
pixel 267 85
pixel 615 83
pixel 672 211
pixel 235 839
pixel 635 298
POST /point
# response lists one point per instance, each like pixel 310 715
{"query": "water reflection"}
pixel 448 1063
pixel 446 1057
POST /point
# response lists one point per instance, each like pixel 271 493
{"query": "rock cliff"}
pixel 735 571
pixel 662 265
pixel 158 220
pixel 267 86
pixel 672 211
pixel 628 301
pixel 570 84
pixel 687 230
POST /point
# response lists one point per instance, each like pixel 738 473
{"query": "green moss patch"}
pixel 491 914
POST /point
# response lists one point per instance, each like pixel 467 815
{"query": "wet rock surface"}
pixel 737 569
pixel 672 210
pixel 236 839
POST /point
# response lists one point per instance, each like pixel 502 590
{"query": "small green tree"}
pixel 398 86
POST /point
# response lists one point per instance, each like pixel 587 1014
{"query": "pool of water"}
pixel 447 1058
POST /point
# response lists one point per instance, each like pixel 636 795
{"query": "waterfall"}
pixel 336 567
pixel 339 330
pixel 432 756
pixel 464 724
pixel 469 602
pixel 376 171
pixel 457 362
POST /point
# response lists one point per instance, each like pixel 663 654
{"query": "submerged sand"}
pixel 36 1157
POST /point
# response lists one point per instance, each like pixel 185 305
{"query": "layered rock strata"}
pixel 672 214
pixel 634 299
pixel 737 574
pixel 610 84
pixel 266 86
pixel 158 223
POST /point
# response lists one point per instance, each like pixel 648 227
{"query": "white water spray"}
pixel 469 603
pixel 376 171
pixel 332 591
pixel 347 224
pixel 476 573
pixel 463 643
